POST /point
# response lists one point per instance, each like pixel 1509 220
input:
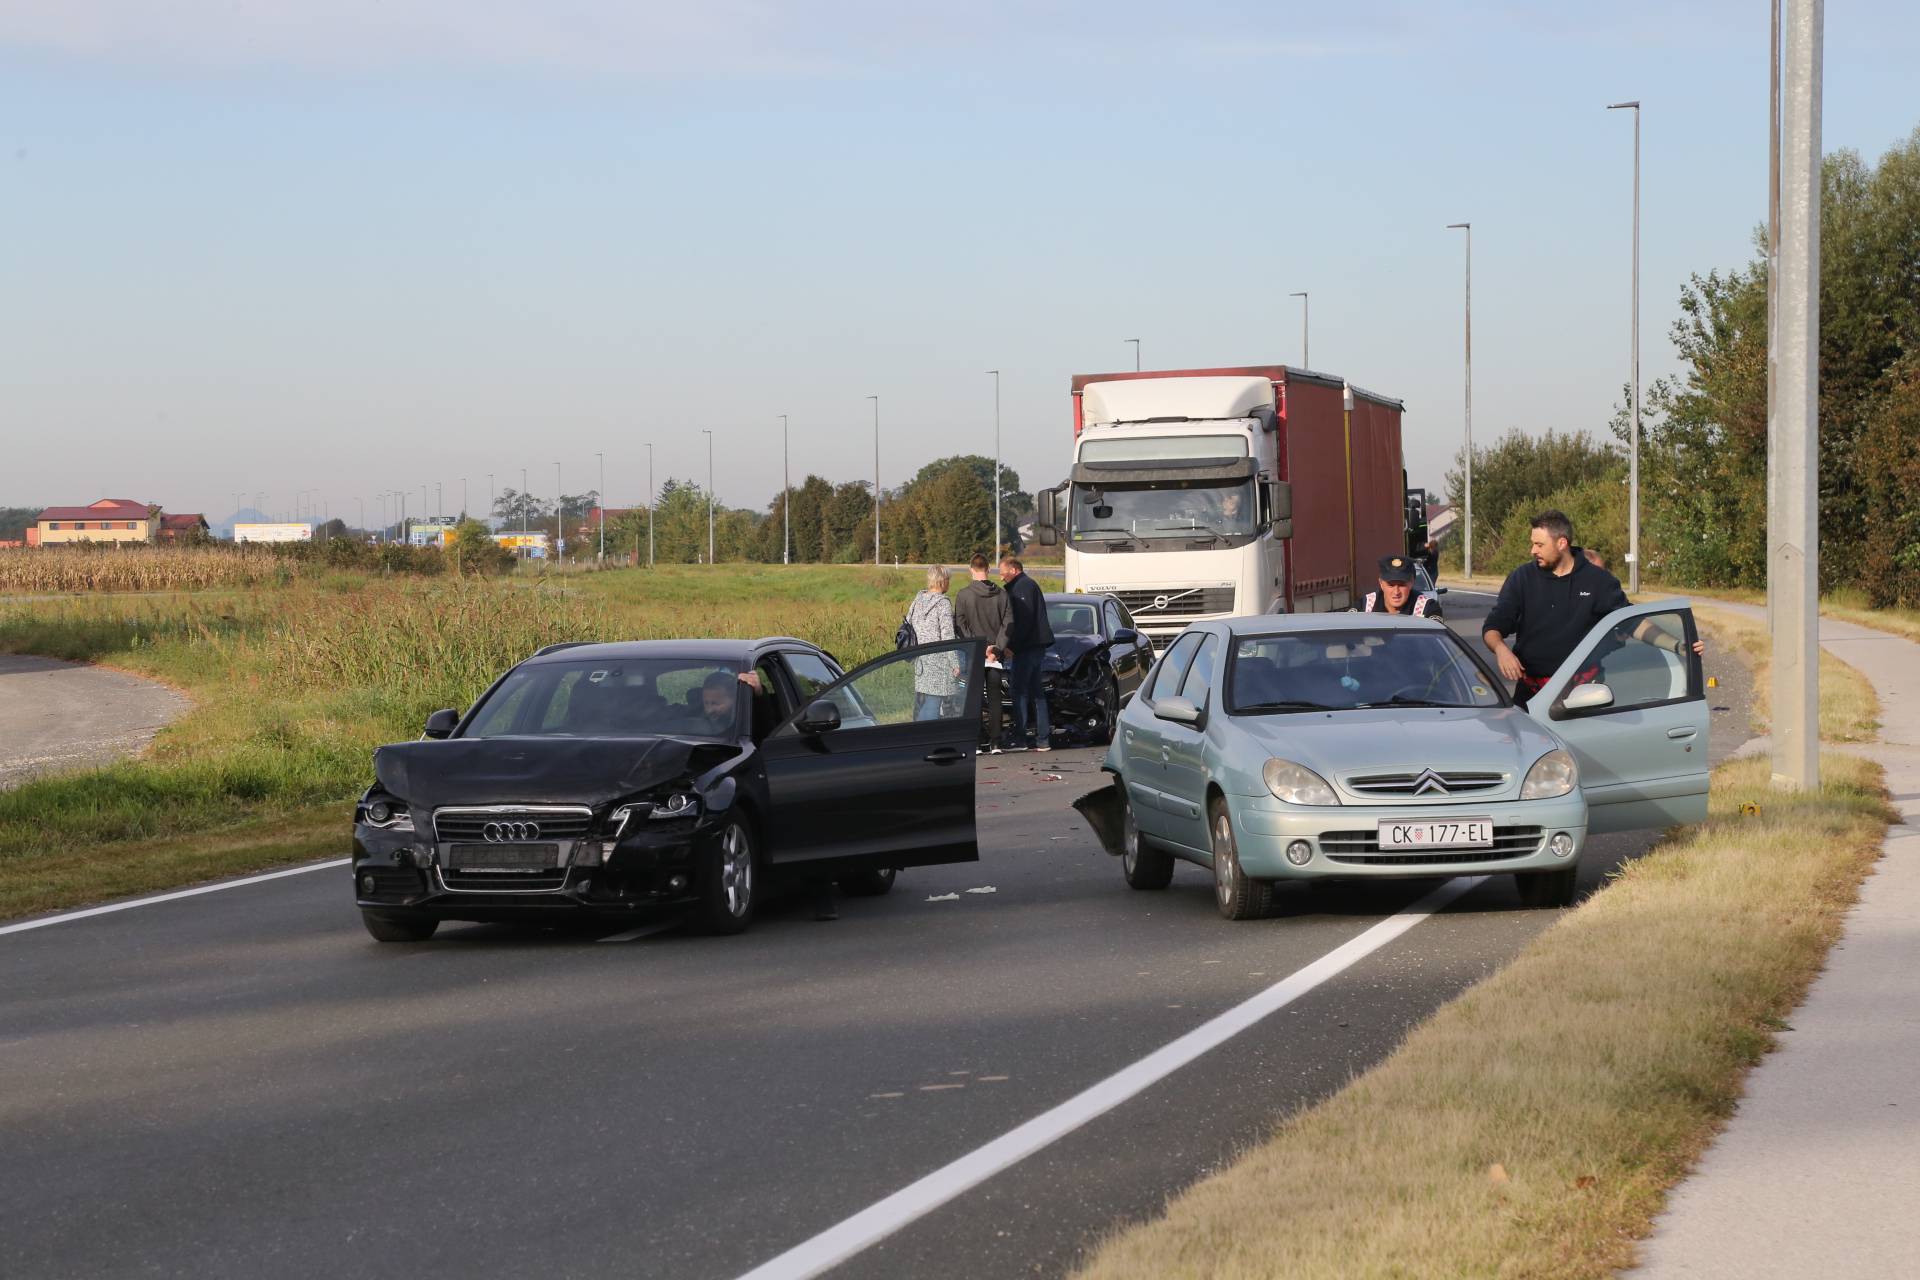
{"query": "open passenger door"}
pixel 1634 713
pixel 873 773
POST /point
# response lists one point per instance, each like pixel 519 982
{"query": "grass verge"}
pixel 1531 1127
pixel 1849 708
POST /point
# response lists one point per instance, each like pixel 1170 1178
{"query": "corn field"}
pixel 58 570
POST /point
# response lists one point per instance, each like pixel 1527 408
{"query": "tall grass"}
pixel 58 570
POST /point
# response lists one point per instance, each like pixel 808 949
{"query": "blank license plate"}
pixel 503 857
pixel 1458 833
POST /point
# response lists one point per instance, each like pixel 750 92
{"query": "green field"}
pixel 294 685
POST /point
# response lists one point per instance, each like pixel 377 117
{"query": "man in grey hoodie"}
pixel 981 609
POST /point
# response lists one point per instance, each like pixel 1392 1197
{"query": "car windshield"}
pixel 619 698
pixel 1345 670
pixel 1161 509
pixel 1071 618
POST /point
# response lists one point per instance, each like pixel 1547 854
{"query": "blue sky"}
pixel 363 246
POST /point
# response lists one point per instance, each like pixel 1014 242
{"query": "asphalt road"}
pixel 241 1083
pixel 63 715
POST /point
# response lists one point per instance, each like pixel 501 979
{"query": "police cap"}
pixel 1396 569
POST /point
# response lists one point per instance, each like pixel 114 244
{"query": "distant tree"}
pixel 473 550
pixel 681 535
pixel 847 537
pixel 1516 472
pixel 14 522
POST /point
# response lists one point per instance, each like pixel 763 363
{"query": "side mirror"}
pixel 1587 697
pixel 1126 635
pixel 819 717
pixel 1280 507
pixel 1179 710
pixel 1046 520
pixel 442 723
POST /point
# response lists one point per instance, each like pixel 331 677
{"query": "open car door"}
pixel 1631 704
pixel 876 771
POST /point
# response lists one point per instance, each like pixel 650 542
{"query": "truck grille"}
pixel 1363 848
pixel 1150 606
pixel 512 824
pixel 1427 783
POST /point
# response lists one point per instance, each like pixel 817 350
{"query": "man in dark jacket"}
pixel 1550 603
pixel 1031 634
pixel 981 610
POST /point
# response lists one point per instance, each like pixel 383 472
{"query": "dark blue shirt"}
pixel 1550 615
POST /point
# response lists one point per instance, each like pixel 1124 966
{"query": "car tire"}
pixel 1109 712
pixel 1238 895
pixel 398 926
pixel 1548 890
pixel 727 887
pixel 868 884
pixel 1145 866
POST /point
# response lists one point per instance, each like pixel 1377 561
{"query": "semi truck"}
pixel 1210 493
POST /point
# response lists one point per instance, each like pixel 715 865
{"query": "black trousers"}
pixel 993 709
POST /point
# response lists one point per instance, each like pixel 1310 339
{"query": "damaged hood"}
pixel 1066 651
pixel 592 771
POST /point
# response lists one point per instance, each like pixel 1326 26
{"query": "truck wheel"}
pixel 728 879
pixel 867 884
pixel 1238 896
pixel 398 926
pixel 1145 866
pixel 1546 890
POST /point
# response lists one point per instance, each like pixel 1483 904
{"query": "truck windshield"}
pixel 1161 509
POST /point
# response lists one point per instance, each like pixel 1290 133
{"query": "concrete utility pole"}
pixel 876 478
pixel 1467 523
pixel 1633 446
pixel 651 492
pixel 786 499
pixel 602 496
pixel 1136 352
pixel 1306 351
pixel 708 433
pixel 1793 440
pixel 996 463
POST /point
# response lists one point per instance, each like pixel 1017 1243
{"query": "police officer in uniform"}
pixel 1396 593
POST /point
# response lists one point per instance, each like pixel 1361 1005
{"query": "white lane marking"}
pixel 112 907
pixel 644 931
pixel 879 1220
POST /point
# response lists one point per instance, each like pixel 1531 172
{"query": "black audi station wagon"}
pixel 617 778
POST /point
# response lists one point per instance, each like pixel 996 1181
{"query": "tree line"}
pixel 1703 448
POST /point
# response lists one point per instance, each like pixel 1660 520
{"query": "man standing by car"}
pixel 981 611
pixel 1031 634
pixel 1549 605
pixel 1396 593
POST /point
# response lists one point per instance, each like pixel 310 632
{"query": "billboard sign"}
pixel 528 546
pixel 273 533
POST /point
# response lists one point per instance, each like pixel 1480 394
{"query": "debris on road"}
pixel 944 897
pixel 985 888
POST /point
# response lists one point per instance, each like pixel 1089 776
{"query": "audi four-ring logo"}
pixel 502 832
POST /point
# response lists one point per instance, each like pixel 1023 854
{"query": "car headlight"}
pixel 1296 784
pixel 388 816
pixel 681 804
pixel 1553 774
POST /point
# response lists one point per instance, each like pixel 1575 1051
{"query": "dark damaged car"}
pixel 1095 663
pixel 615 779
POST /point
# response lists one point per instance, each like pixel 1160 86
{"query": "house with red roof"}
pixel 185 525
pixel 108 520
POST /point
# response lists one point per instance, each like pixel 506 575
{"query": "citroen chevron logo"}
pixel 1429 782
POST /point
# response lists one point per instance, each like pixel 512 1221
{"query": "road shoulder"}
pixel 56 716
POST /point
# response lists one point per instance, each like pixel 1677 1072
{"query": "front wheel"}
pixel 727 879
pixel 1145 866
pixel 390 926
pixel 1548 890
pixel 868 884
pixel 1109 712
pixel 1238 895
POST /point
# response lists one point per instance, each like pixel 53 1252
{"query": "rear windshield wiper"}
pixel 1288 704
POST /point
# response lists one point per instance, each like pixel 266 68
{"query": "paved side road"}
pixel 64 715
pixel 1818 1173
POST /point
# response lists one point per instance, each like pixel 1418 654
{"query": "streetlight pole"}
pixel 361 503
pixel 492 497
pixel 463 497
pixel 1793 443
pixel 1306 351
pixel 1633 445
pixel 603 504
pixel 786 499
pixel 1468 523
pixel 651 494
pixel 1136 352
pixel 996 462
pixel 439 501
pixel 708 433
pixel 559 516
pixel 876 479
pixel 523 501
